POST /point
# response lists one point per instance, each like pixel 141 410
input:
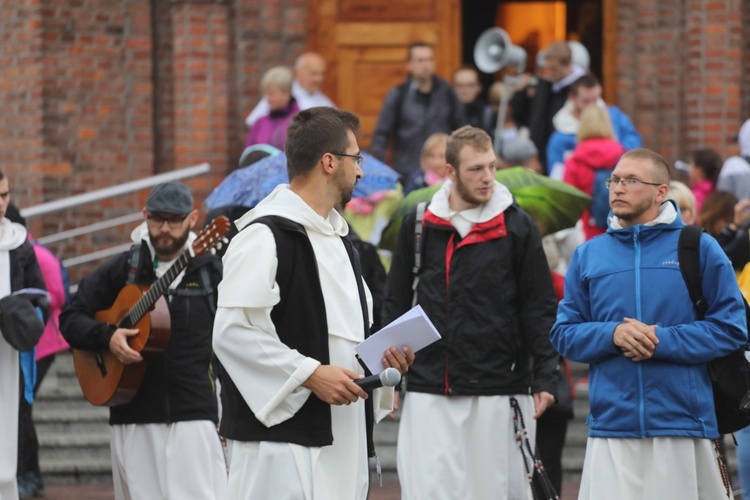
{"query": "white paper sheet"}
pixel 413 329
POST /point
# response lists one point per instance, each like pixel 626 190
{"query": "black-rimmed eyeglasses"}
pixel 174 222
pixel 357 158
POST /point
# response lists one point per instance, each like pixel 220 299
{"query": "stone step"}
pixel 81 470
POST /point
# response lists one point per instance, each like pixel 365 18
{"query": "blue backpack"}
pixel 600 198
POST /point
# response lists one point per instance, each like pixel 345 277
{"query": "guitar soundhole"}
pixel 125 323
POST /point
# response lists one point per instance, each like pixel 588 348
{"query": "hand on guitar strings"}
pixel 118 346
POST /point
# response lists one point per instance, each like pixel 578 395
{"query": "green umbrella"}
pixel 553 204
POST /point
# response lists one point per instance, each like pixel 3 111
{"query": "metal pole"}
pixel 128 187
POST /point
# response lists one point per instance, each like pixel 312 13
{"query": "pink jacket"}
pixel 701 190
pixel 271 129
pixel 52 340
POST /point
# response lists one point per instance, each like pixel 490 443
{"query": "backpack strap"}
pixel 418 228
pixel 401 90
pixel 135 256
pixel 688 254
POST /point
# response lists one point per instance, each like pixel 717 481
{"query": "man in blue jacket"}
pixel 584 92
pixel 628 313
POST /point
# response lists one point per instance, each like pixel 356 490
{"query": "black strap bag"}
pixel 730 374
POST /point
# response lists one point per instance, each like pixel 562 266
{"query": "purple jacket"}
pixel 271 128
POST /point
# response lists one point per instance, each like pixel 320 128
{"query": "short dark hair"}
pixel 465 136
pixel 662 174
pixel 587 81
pixel 415 45
pixel 314 132
pixel 709 161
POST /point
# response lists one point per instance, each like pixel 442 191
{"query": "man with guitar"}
pixel 141 326
pixel 292 307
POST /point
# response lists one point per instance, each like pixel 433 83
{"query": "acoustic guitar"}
pixel 104 380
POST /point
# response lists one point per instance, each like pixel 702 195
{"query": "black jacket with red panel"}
pixel 489 295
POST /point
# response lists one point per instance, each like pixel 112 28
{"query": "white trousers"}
pixel 9 380
pixel 462 448
pixel 176 461
pixel 661 468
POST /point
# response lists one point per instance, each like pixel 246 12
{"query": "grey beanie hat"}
pixel 170 198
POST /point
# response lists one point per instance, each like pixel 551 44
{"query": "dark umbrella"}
pixel 554 205
pixel 247 186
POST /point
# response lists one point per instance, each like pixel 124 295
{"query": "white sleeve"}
pixel 268 374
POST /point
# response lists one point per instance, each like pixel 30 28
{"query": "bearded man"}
pixel 164 442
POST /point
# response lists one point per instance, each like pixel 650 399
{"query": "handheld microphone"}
pixel 387 378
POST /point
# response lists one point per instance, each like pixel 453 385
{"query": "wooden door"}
pixel 365 45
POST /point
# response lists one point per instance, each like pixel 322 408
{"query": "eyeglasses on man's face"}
pixel 357 158
pixel 628 184
pixel 174 221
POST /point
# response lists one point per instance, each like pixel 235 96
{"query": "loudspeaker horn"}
pixel 494 51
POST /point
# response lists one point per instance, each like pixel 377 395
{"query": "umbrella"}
pixel 247 186
pixel 553 204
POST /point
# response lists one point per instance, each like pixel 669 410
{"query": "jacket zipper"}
pixel 638 312
pixel 448 258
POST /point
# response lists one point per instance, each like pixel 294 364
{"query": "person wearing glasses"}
pixel 164 442
pixel 627 312
pixel 292 307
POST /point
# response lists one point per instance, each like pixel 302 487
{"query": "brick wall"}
pixel 680 72
pixel 21 99
pixel 266 33
pixel 746 60
pixel 104 92
pixel 96 96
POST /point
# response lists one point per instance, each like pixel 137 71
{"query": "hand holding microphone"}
pixel 387 378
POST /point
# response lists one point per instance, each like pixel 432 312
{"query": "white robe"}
pixel 463 447
pixel 11 237
pixel 269 375
pixel 651 469
pixel 168 461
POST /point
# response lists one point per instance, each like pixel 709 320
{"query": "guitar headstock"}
pixel 211 235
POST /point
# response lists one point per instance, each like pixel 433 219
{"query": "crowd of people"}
pixel 261 349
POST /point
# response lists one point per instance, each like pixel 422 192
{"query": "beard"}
pixel 165 244
pixel 632 211
pixel 345 190
pixel 469 197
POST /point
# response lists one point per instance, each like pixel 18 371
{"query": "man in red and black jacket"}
pixel 485 284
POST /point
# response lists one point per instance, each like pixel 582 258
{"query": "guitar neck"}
pixel 158 288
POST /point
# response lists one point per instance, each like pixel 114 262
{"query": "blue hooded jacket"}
pixel 633 272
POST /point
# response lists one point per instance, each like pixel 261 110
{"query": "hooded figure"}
pixel 18 269
pixel 735 173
